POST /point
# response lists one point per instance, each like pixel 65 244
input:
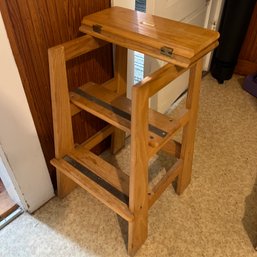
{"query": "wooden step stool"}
pixel 182 46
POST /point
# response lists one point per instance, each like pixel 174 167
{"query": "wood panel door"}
pixel 33 27
pixel 247 60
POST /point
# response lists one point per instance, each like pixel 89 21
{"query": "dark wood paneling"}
pixel 247 60
pixel 33 27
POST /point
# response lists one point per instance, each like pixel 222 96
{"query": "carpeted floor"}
pixel 215 217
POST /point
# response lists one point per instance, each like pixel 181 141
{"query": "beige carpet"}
pixel 216 216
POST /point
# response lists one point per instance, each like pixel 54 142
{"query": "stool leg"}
pixel 64 184
pixel 118 140
pixel 63 134
pixel 189 129
pixel 120 75
pixel 138 188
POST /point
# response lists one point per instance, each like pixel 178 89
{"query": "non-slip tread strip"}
pixel 87 172
pixel 117 111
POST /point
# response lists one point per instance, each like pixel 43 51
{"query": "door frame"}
pixel 23 167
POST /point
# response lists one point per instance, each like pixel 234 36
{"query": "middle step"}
pixel 116 110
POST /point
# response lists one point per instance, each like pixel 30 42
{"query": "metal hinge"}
pixel 97 28
pixel 166 51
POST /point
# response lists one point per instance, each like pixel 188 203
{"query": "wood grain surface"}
pixel 151 34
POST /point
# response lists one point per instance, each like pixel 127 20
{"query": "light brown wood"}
pixel 165 181
pixel 121 53
pixel 65 52
pixel 74 109
pixel 156 119
pixel 124 104
pixel 100 112
pixel 118 140
pixel 63 134
pixel 157 143
pixel 81 45
pixel 160 78
pixel 201 54
pixel 110 84
pixel 101 168
pixel 140 47
pixel 108 102
pixel 189 129
pixel 98 137
pixel 172 147
pixel 138 188
pixel 97 191
pixel 100 92
pixel 155 32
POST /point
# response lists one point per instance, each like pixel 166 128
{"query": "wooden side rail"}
pixel 160 78
pixel 79 46
pixel 62 124
pixel 61 108
pixel 98 137
pixel 138 183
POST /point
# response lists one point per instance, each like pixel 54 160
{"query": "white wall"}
pixel 124 3
pixel 18 136
pixel 188 11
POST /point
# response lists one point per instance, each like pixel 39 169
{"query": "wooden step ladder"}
pixel 182 46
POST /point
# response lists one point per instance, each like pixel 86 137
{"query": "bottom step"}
pixel 79 173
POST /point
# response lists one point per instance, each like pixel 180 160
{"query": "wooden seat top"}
pixel 165 39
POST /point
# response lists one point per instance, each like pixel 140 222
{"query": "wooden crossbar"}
pixel 74 109
pixel 180 121
pixel 172 147
pixel 79 46
pixel 166 180
pixel 160 78
pixel 98 137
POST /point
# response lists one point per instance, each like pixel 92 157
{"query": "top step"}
pixel 168 40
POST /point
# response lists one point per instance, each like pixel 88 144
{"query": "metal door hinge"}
pixel 97 28
pixel 166 51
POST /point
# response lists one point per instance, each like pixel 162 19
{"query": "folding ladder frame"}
pixel 150 132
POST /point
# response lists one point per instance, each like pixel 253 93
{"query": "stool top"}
pixel 165 39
